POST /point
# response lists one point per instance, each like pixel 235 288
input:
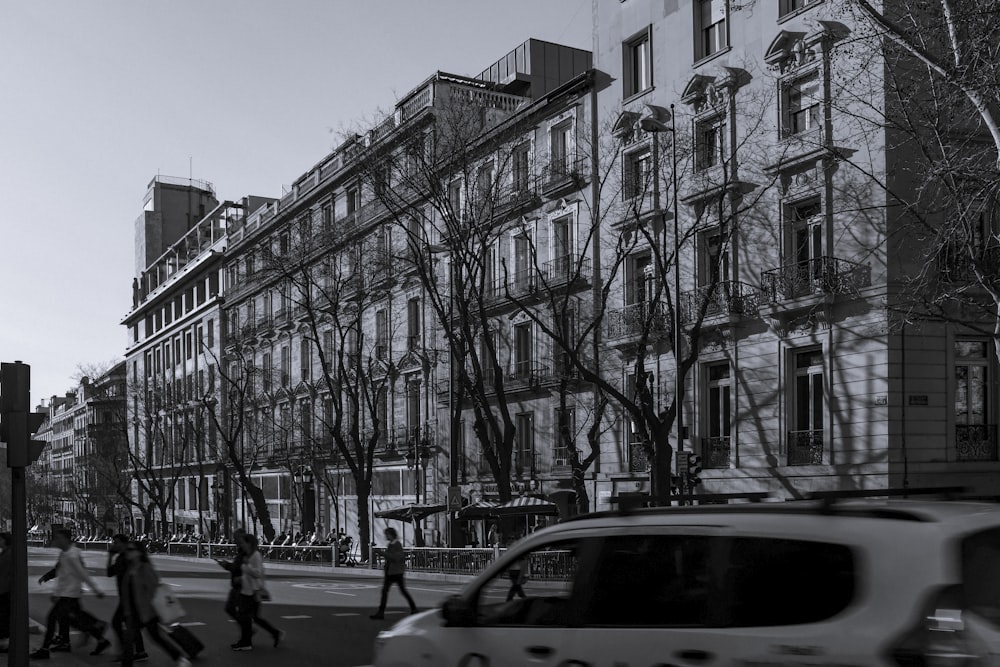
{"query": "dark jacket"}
pixel 139 587
pixel 117 569
pixel 395 558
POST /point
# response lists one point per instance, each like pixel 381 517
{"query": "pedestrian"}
pixel 253 591
pixel 139 585
pixel 395 566
pixel 235 568
pixel 518 574
pixel 117 566
pixel 70 575
pixel 6 579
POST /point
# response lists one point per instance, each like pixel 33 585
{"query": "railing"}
pixel 821 275
pixel 525 374
pixel 976 442
pixel 639 319
pixel 805 447
pixel 518 194
pixel 567 269
pixel 562 170
pixel 417 102
pixel 282 317
pixel 517 283
pixel 715 452
pixel 728 297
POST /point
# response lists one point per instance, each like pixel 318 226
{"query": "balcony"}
pixel 715 452
pixel 805 448
pixel 517 284
pixel 818 276
pixel 525 375
pixel 517 196
pixel 570 271
pixel 728 299
pixel 562 173
pixel 283 318
pixel 560 368
pixel 265 326
pixel 976 442
pixel 649 321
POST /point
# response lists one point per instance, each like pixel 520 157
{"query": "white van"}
pixel 895 583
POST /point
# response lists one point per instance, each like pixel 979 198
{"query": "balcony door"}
pixel 561 248
pixel 975 435
pixel 805 440
pixel 807 247
pixel 523 263
pixel 718 416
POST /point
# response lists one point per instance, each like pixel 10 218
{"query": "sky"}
pixel 100 96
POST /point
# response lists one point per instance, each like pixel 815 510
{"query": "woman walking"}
pixel 138 588
pixel 253 591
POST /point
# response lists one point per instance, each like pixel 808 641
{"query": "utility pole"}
pixel 17 423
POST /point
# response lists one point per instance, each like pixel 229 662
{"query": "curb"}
pixel 323 570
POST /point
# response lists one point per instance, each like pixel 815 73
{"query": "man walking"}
pixel 395 566
pixel 71 575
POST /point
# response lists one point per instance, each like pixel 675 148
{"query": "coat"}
pixel 138 587
pixel 395 558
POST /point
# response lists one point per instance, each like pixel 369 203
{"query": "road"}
pixel 324 613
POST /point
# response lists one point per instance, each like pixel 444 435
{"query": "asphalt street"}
pixel 324 612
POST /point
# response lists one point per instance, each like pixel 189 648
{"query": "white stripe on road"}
pixel 296 617
pixel 433 590
pixel 350 595
pixel 192 624
pixel 348 614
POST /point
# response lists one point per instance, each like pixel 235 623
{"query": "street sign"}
pixel 454 498
pixel 682 463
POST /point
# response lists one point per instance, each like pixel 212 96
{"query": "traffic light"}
pixel 694 469
pixel 17 423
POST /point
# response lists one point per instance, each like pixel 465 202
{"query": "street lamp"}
pixel 653 122
pixel 303 477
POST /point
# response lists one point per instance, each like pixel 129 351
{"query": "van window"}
pixel 786 582
pixel 981 574
pixel 651 580
pixel 534 590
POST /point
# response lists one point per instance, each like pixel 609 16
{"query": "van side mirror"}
pixel 458 612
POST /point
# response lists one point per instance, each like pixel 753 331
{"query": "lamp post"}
pixel 419 454
pixel 653 123
pixel 303 477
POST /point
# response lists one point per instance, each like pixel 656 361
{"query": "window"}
pixel 381 335
pixel 524 264
pixel 382 414
pixel 807 247
pixel 188 345
pixel 638 176
pixel 455 199
pixel 562 248
pixel 713 29
pixel 286 364
pixel 637 66
pixel 522 352
pixel 305 359
pixel 413 411
pixel 788 6
pixel 521 165
pixel 805 440
pixel 284 243
pixel 353 200
pixel 711 142
pixel 413 323
pixel 718 415
pixel 802 104
pixel 638 270
pixel 975 436
pixel 560 145
pixel 542 581
pixel 715 257
pixel 327 217
pixel 267 371
pixel 484 183
pixel 564 436
pixel 524 443
pixel 305 421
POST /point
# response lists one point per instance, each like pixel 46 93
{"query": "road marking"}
pixel 171 584
pixel 350 613
pixel 296 617
pixel 335 585
pixel 350 595
pixel 433 590
pixel 192 624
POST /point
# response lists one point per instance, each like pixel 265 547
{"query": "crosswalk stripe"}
pixel 191 624
pixel 347 614
pixel 296 617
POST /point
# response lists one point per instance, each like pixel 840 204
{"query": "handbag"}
pixel 168 608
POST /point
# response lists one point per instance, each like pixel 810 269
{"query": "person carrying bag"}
pixel 253 591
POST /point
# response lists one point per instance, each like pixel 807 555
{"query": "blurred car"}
pixel 896 583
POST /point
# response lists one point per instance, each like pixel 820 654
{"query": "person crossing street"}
pixel 395 566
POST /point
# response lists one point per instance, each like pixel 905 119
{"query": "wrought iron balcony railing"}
pixel 820 275
pixel 976 442
pixel 640 319
pixel 729 297
pixel 715 452
pixel 569 268
pixel 562 170
pixel 805 448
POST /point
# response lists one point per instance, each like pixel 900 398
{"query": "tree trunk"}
pixel 364 518
pixel 260 507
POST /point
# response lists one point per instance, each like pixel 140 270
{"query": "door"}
pixel 522 612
